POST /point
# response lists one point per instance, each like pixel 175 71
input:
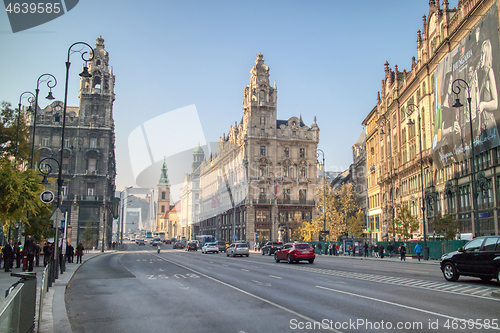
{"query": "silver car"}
pixel 238 249
pixel 210 247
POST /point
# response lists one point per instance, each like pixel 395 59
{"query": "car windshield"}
pixel 241 245
pixel 302 246
pixel 211 244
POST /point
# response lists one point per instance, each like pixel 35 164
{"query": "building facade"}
pixel 419 142
pixel 88 165
pixel 262 182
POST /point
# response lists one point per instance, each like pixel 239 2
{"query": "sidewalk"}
pixel 54 316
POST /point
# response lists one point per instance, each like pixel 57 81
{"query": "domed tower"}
pixel 198 157
pixel 163 194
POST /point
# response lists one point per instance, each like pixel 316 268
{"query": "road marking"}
pixel 252 295
pixel 276 277
pixel 412 308
pixel 262 284
pixel 245 270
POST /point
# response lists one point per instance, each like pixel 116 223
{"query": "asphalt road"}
pixel 140 290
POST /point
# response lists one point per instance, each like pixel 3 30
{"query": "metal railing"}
pixel 17 310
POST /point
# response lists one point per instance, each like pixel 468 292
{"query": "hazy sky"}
pixel 327 57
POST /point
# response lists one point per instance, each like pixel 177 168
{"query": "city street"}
pixel 141 290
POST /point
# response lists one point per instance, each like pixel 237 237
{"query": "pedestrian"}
pixel 418 250
pixel 30 254
pixel 47 253
pixel 330 249
pixel 79 253
pixel 70 252
pixel 37 254
pixel 402 251
pixel 366 248
pixel 336 250
pixel 381 250
pixel 390 249
pixel 258 247
pixel 348 250
pixel 341 249
pixel 320 248
pixel 18 254
pixel 8 255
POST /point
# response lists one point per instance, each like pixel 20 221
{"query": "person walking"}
pixel 8 255
pixel 381 249
pixel 70 253
pixel 29 249
pixel 402 251
pixel 366 248
pixel 47 253
pixel 18 254
pixel 79 253
pixel 320 248
pixel 37 254
pixel 418 250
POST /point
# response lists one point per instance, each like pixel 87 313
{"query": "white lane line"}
pixel 245 270
pixel 252 295
pixel 276 277
pixel 398 305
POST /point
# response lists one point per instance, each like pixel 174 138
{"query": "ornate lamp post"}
pixel 41 79
pixel 273 221
pixel 85 73
pixel 457 87
pixel 382 121
pixel 30 100
pixel 410 108
pixel 321 153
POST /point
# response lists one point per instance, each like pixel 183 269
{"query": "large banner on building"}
pixel 476 61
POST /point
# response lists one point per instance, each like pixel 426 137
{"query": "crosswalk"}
pixel 445 286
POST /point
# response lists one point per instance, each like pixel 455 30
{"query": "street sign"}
pixel 47 196
pixel 235 237
pixel 57 217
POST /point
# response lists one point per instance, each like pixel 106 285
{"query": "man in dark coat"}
pixel 8 255
pixel 18 254
pixel 47 253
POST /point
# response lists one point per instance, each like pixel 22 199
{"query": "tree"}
pixel 446 226
pixel 9 135
pixel 341 204
pixel 355 225
pixel 19 193
pixel 90 233
pixel 405 224
pixel 308 230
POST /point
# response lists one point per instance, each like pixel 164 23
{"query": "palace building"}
pixel 261 184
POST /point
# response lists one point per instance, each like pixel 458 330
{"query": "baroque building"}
pixel 262 182
pixel 88 165
pixel 420 142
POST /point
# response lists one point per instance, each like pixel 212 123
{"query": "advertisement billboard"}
pixel 476 61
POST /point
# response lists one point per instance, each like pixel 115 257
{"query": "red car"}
pixel 295 252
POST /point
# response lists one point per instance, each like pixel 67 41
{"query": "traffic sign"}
pixel 47 196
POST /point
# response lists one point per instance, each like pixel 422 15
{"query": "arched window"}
pixel 261 96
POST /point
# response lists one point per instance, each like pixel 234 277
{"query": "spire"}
pixel 164 178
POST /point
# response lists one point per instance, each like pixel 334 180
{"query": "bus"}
pixel 161 235
pixel 202 239
pixel 149 234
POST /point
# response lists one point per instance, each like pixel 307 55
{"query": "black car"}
pixel 271 247
pixel 479 258
pixel 192 246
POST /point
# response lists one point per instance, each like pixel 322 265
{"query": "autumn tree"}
pixel 405 224
pixel 446 226
pixel 355 224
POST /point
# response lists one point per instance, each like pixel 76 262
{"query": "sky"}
pixel 326 56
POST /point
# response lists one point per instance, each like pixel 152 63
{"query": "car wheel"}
pixel 227 254
pixel 247 255
pixel 268 252
pixel 498 275
pixel 262 252
pixel 311 261
pixel 289 260
pixel 450 272
pixel 486 278
pixel 276 258
pixel 234 255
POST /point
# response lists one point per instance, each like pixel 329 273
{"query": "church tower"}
pixel 198 157
pixel 163 195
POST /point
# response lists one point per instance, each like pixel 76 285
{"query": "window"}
pixel 261 96
pixel 302 195
pixel 302 152
pixel 163 195
pixel 262 194
pixel 294 133
pixel 261 171
pixel 45 141
pixel 285 171
pixel 163 209
pixel 65 164
pixel 262 120
pixel 286 194
pixel 92 164
pixel 66 143
pixel 93 142
pixel 64 190
pixel 286 152
pixel 262 150
pixel 474 245
pixel 91 189
pixel 262 130
pixel 303 173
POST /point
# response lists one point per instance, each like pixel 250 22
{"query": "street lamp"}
pixel 273 221
pixel 41 79
pixel 382 121
pixel 30 100
pixel 457 87
pixel 85 73
pixel 410 108
pixel 321 153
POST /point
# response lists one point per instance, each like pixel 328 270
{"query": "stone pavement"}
pixel 54 315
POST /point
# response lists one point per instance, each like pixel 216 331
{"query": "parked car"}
pixel 238 249
pixel 210 247
pixel 179 245
pixel 222 246
pixel 478 258
pixel 271 247
pixel 140 242
pixel 192 246
pixel 295 252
